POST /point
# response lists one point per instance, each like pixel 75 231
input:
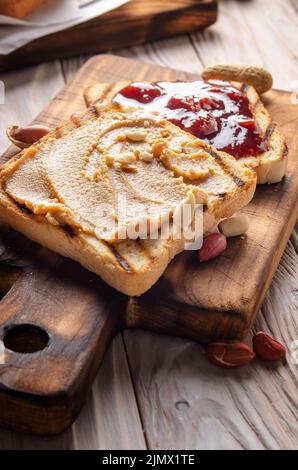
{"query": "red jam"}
pixel 144 93
pixel 214 111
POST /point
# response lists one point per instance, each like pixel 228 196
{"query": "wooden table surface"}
pixel 158 392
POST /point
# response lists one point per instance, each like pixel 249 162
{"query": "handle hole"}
pixel 26 339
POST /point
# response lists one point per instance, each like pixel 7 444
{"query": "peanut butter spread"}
pixel 120 167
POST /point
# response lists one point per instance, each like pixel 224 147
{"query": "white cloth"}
pixel 50 18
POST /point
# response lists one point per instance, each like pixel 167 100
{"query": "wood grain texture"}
pixel 42 393
pixel 175 52
pixel 187 402
pixel 111 408
pixel 136 22
pixel 109 420
pixel 226 425
pixel 185 302
pixel 266 37
pixel 26 94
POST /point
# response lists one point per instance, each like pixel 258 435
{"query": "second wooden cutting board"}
pixel 65 317
pixel 135 22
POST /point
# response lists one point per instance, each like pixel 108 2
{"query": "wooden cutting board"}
pixel 69 315
pixel 135 22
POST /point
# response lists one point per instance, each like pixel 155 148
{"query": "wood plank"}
pixel 26 94
pixel 135 22
pixel 186 401
pixel 264 38
pixel 110 418
pixel 176 52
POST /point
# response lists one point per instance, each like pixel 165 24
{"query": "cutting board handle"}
pixel 56 323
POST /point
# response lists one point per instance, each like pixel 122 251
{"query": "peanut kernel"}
pixel 146 156
pixel 136 136
pixel 128 157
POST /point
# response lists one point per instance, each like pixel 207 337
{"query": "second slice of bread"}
pixel 269 165
pixel 19 8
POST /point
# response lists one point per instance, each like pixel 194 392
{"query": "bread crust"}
pixel 270 166
pixel 102 260
pixel 19 8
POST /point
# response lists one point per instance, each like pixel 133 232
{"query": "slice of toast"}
pixel 50 191
pixel 270 165
pixel 19 8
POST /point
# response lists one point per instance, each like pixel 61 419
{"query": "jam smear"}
pixel 214 111
pixel 182 103
pixel 142 92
